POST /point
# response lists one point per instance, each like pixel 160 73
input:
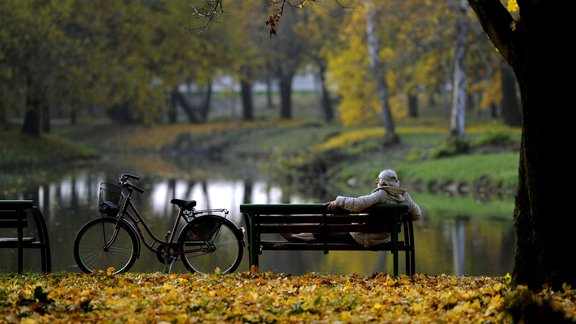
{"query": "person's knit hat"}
pixel 388 178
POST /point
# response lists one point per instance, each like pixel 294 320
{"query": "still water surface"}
pixel 458 244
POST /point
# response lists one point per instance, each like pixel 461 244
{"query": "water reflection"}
pixel 461 245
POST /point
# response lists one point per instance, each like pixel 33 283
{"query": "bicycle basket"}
pixel 109 198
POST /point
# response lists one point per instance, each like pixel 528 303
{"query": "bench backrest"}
pixel 278 218
pixel 13 213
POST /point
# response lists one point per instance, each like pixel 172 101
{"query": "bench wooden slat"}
pixel 283 228
pixel 12 222
pixel 283 245
pixel 306 218
pixel 312 209
pixel 5 241
pixel 328 218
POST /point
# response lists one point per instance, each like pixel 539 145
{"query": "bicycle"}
pixel 207 242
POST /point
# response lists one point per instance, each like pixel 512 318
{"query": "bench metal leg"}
pixel 43 236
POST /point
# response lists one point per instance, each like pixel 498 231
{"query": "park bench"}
pixel 23 227
pixel 262 219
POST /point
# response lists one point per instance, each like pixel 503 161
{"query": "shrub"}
pixel 452 146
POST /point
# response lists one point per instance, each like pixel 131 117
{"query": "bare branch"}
pixel 210 10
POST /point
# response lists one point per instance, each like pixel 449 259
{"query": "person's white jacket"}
pixel 382 194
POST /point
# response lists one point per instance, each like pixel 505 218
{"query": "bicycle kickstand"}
pixel 169 266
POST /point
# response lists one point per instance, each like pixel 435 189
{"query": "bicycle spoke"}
pixel 90 255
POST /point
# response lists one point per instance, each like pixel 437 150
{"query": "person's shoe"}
pixel 304 237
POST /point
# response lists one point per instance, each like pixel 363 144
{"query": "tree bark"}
pixel 538 48
pixel 511 110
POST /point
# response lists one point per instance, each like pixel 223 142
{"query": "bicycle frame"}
pixel 129 210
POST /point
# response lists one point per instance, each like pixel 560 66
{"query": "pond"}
pixel 478 241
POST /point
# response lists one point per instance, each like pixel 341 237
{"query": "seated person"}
pixel 387 190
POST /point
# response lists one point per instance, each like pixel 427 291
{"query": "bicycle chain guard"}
pixel 164 250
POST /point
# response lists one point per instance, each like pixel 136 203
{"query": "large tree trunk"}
pixel 539 51
pixel 511 110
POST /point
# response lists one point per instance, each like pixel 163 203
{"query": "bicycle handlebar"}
pixel 126 176
pixel 124 181
pixel 140 190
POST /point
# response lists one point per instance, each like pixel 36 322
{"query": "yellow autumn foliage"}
pixel 266 298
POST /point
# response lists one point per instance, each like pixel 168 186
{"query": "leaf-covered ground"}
pixel 274 298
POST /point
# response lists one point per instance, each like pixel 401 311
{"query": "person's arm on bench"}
pixel 387 190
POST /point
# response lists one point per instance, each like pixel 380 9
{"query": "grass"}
pixel 18 150
pixel 501 169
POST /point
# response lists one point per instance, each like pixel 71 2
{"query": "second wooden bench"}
pixel 16 216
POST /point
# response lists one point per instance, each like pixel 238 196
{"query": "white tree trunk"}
pixel 378 72
pixel 458 111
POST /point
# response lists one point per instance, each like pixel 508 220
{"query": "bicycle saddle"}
pixel 184 204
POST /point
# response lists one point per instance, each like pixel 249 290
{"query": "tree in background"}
pixel 458 111
pixel 349 66
pixel 289 52
pixel 32 45
pixel 379 72
pixel 318 26
pixel 247 51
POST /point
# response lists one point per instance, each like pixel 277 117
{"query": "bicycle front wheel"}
pixel 211 244
pixel 106 244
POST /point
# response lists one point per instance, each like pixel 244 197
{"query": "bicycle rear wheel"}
pixel 91 253
pixel 211 244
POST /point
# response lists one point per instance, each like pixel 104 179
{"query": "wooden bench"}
pixel 15 218
pixel 314 218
